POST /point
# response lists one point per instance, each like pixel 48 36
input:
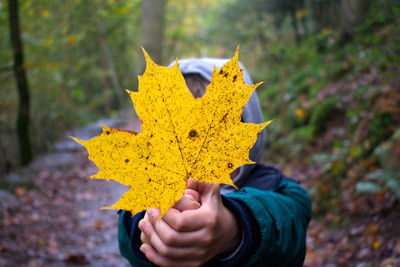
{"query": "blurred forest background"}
pixel 332 72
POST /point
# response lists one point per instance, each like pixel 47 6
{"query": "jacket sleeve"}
pixel 282 216
pixel 129 238
pixel 274 224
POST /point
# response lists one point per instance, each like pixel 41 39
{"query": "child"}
pixel 263 224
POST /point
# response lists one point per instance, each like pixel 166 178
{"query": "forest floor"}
pixel 351 238
pixel 57 220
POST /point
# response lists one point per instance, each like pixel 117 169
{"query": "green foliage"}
pixel 320 116
pixel 324 96
pixel 381 128
pixel 389 174
pixel 377 179
pixel 68 75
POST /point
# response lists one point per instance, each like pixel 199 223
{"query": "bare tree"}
pixel 352 14
pixel 153 28
pixel 25 150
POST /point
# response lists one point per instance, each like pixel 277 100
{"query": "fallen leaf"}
pixel 300 114
pixel 372 229
pixel 397 247
pixel 376 245
pixel 78 259
pixel 20 191
pixel 182 137
pixel 390 262
pixel 98 224
pixel 42 242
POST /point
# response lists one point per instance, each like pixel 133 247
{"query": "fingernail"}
pixel 142 225
pixel 142 248
pixel 190 197
pixel 150 213
pixel 197 204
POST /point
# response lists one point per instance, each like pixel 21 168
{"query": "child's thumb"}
pixel 187 202
pixel 193 184
pixel 205 190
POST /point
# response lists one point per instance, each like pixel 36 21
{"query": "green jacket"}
pixel 273 210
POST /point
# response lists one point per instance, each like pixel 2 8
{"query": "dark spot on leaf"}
pixel 220 72
pixel 151 135
pixel 226 75
pixel 147 157
pixel 234 78
pixel 148 144
pixel 193 133
pixel 107 132
pixel 155 120
pixel 149 179
pixel 127 160
pixel 145 168
pixel 230 165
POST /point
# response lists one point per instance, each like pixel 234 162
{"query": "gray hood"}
pixel 251 112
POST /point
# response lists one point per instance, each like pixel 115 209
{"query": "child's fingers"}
pixel 144 238
pixel 179 221
pixel 153 256
pixel 150 234
pixel 168 242
pixel 187 202
pixel 172 238
pixel 203 189
pixel 187 221
pixel 153 214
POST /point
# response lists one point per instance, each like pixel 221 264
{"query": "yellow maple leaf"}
pixel 182 137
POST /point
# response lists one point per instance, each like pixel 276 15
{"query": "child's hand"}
pixel 187 236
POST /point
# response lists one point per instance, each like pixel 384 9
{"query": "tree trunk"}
pixel 109 62
pixel 352 14
pixel 292 13
pixel 153 28
pixel 25 150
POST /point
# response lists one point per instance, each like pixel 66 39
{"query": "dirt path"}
pixel 59 221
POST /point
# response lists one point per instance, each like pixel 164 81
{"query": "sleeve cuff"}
pixel 134 235
pixel 250 233
pixel 249 242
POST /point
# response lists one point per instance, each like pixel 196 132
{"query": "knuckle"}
pixel 167 263
pixel 207 239
pixel 180 223
pixel 150 257
pixel 142 238
pixel 163 251
pixel 199 253
pixel 211 220
pixel 169 238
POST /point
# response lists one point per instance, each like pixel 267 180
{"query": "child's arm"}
pixel 273 225
pixel 282 217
